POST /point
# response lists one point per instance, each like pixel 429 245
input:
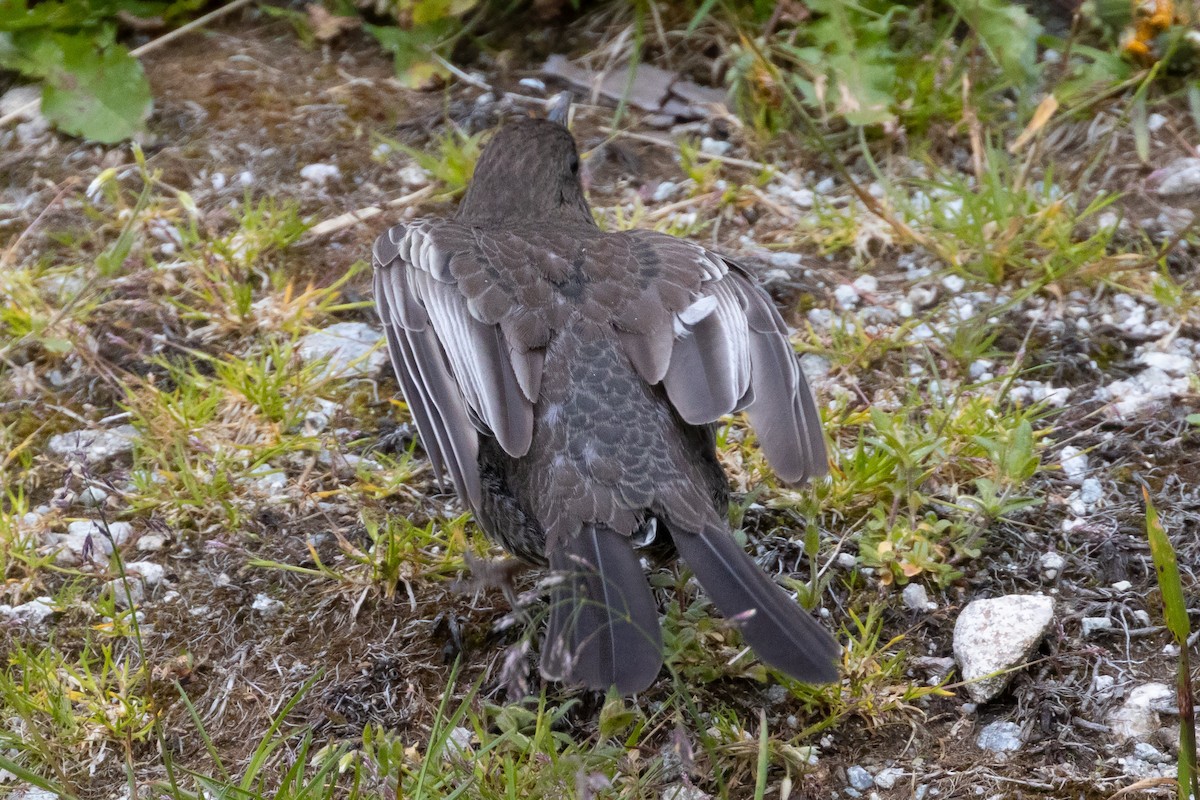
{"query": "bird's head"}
pixel 528 172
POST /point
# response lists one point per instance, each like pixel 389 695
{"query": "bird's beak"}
pixel 559 108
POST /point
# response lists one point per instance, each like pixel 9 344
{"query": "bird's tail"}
pixel 603 628
pixel 780 631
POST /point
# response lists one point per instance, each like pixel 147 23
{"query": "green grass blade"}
pixel 1170 586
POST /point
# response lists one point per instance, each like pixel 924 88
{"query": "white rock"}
pixel 534 84
pixel 1074 464
pixel 1122 586
pixel 824 186
pixel 94 447
pixel 122 596
pixel 412 175
pixel 92 496
pixel 815 368
pixel 801 198
pixel 715 147
pixel 887 778
pixel 1052 565
pixel 785 260
pixel 458 742
pixel 954 283
pixel 351 347
pixel 1179 366
pixel 317 418
pixel 1148 752
pixel 979 368
pixel 1138 717
pixel 30 614
pixel 1180 177
pixel 998 634
pixel 846 560
pixel 1090 626
pixel 680 791
pixel 152 542
pixel 916 598
pixel 266 605
pixel 664 191
pixel 75 541
pixel 317 174
pixel 859 778
pixel 846 296
pixel 866 284
pixel 150 573
pixel 1000 737
pixel 31 793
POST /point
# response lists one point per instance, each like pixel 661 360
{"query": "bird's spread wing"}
pixel 723 347
pixel 458 369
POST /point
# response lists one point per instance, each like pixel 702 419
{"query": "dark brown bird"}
pixel 569 379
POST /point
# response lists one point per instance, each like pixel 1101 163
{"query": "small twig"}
pixel 166 38
pixel 350 218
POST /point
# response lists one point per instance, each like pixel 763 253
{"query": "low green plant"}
pixel 91 85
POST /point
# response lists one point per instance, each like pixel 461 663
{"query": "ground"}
pixel 1004 368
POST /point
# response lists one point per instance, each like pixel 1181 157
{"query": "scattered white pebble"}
pixel 218 180
pixel 664 191
pixel 916 598
pixel 1090 626
pixel 715 147
pixel 866 284
pixel 318 174
pixel 1155 122
pixel 152 542
pixel 859 778
pixel 31 614
pixel 846 296
pixel 534 84
pixel 954 283
pixel 92 496
pixel 824 186
pixel 1074 464
pixel 1052 565
pixel 266 605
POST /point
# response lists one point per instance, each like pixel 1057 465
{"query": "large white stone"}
pixel 996 635
pixel 94 447
pixel 351 347
pixel 1138 716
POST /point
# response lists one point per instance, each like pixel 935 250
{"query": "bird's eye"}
pixel 574 165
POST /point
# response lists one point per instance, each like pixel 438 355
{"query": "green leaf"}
pixel 1167 568
pixel 99 94
pixel 1007 32
pixel 413 49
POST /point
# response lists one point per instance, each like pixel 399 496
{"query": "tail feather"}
pixel 780 631
pixel 603 628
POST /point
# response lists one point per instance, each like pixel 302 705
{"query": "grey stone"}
pixel 859 778
pixel 1000 737
pixel 916 598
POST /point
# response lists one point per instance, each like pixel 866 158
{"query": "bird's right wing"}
pixel 726 349
pixel 459 372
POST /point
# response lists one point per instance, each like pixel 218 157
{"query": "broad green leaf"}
pixel 99 94
pixel 413 49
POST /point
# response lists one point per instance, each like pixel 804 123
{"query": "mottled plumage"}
pixel 567 380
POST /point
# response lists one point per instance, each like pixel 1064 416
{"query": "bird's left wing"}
pixel 458 370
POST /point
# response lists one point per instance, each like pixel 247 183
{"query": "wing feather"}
pixel 728 350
